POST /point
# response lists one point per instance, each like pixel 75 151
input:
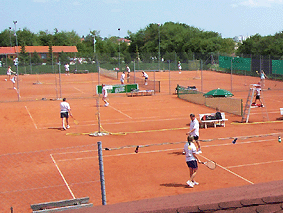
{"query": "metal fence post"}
pixel 101 169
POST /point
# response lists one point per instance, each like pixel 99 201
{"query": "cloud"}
pixel 256 3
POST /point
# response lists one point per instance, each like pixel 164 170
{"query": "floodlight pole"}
pixel 159 46
pixel 17 52
pixel 232 74
pixel 119 47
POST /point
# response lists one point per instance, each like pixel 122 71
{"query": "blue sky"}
pixel 228 17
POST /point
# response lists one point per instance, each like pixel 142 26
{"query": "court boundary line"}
pixel 121 112
pixel 228 170
pixel 255 164
pixel 31 118
pixel 62 176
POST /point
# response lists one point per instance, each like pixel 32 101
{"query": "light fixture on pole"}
pixel 119 47
pixel 10 36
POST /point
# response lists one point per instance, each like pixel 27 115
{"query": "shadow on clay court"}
pixel 176 153
pixel 175 185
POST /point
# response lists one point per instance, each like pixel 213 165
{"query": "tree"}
pixel 23 56
pixel 35 59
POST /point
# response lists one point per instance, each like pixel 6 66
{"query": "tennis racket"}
pixel 209 164
pixel 75 120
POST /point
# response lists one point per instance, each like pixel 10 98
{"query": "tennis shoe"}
pixel 190 183
pixel 64 128
pixel 68 127
pixel 107 104
pixel 14 87
pixel 195 183
pixel 5 79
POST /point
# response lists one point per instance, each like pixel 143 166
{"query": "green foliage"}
pixel 35 59
pixel 23 56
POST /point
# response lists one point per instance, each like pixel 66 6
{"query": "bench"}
pixel 220 122
pixel 80 71
pixel 140 93
pixel 61 205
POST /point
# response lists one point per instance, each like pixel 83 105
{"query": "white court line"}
pixel 62 176
pixel 121 122
pixel 121 112
pixel 31 118
pixel 79 90
pixel 254 164
pixel 231 172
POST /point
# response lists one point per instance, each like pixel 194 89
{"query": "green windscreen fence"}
pixel 237 63
pixel 277 67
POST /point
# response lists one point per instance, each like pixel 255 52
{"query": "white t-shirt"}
pixel 122 77
pixel 257 91
pixel 66 67
pixel 194 125
pixel 104 92
pixel 189 150
pixel 128 69
pixel 145 75
pixel 9 71
pixel 65 106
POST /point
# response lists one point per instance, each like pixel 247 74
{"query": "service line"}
pixel 121 112
pixel 31 118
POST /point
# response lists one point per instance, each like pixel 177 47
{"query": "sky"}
pixel 229 18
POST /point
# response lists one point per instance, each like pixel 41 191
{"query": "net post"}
pixel 101 169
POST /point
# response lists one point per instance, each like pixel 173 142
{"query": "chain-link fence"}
pixel 53 83
pixel 49 175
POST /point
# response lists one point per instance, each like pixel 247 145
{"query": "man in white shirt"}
pixel 123 78
pixel 67 69
pixel 194 130
pixel 104 95
pixel 65 112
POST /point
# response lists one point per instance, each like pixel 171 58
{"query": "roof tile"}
pixel 252 202
pixel 209 207
pixel 269 208
pixel 230 204
pixel 191 209
pixel 273 199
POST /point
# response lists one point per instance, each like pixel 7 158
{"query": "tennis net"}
pixel 149 85
pixel 108 73
pixel 230 105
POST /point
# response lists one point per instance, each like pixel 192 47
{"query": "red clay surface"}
pixel 40 163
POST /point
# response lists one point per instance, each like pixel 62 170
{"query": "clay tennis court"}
pixel 42 163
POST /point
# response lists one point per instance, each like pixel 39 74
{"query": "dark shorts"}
pixel 64 115
pixel 257 97
pixel 145 78
pixel 192 164
pixel 195 138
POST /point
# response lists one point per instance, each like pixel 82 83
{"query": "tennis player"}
pixel 67 69
pixel 122 79
pixel 145 77
pixel 262 78
pixel 257 96
pixel 104 95
pixel 194 130
pixel 179 67
pixel 65 112
pixel 192 160
pixel 14 79
pixel 9 73
pixel 128 71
